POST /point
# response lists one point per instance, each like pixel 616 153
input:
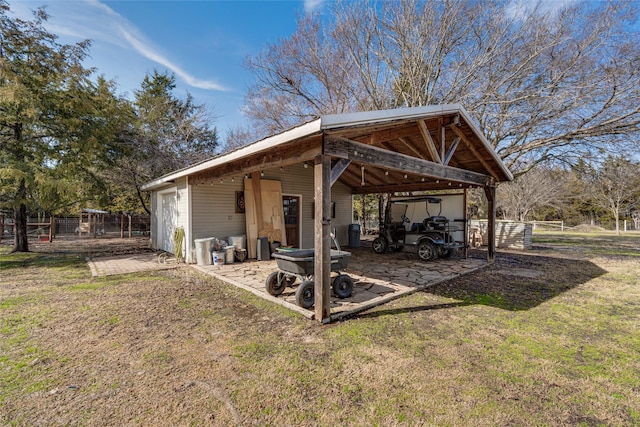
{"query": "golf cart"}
pixel 433 237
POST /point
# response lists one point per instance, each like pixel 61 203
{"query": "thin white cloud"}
pixel 520 9
pixel 96 21
pixel 311 6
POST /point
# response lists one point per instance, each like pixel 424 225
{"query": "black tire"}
pixel 427 250
pixel 380 245
pixel 305 294
pixel 444 252
pixel 342 286
pixel 276 283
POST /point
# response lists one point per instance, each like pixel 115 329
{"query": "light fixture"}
pixel 449 183
pixel 437 181
pixel 262 174
pixel 386 173
pixel 306 165
pixel 233 179
pixel 422 179
pixel 460 185
pixel 281 169
pixel 221 181
pixel 405 176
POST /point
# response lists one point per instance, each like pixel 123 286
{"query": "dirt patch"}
pixel 88 246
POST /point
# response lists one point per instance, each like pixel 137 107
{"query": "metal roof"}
pixel 442 136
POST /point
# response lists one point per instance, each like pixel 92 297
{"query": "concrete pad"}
pixel 125 264
pixel 377 278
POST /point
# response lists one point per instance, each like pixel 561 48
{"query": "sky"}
pixel 202 42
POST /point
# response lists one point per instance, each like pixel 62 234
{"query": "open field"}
pixel 548 337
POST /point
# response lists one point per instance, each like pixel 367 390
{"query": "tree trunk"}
pixel 21 242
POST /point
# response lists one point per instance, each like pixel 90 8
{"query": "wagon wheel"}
pixel 305 294
pixel 380 245
pixel 342 286
pixel 276 283
pixel 427 251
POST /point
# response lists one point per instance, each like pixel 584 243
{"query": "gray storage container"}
pixel 354 235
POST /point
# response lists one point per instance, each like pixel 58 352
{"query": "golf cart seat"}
pixel 436 222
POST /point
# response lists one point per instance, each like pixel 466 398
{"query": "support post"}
pixel 322 239
pixel 52 225
pixel 490 191
pixel 129 225
pixel 122 226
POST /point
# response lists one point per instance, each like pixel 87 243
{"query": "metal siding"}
pixel 213 210
pixel 153 230
pixel 213 205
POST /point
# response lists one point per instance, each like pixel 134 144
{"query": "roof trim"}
pixel 301 131
pixel 333 121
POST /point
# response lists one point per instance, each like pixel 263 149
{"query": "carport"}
pixel 391 151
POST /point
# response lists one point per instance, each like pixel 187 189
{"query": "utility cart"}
pixel 298 266
pixel 431 238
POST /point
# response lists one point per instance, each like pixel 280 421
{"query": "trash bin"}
pixel 203 251
pixel 354 235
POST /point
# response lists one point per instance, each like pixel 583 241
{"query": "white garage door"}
pixel 167 223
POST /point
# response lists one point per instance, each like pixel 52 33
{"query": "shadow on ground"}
pixel 516 281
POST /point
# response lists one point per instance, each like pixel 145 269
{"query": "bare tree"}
pixel 615 186
pixel 543 85
pixel 540 187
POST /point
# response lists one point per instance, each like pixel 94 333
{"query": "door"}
pixel 167 221
pixel 291 208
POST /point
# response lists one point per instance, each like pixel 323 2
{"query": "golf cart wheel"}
pixel 380 245
pixel 305 294
pixel 427 251
pixel 275 283
pixel 444 252
pixel 342 286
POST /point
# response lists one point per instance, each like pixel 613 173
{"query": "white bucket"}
pixel 218 258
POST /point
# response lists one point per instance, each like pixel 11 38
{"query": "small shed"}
pixel 316 169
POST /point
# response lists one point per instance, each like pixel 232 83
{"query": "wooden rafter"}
pixel 428 141
pixel 471 148
pixel 451 151
pixel 411 147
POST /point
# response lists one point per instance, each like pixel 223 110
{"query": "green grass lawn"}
pixel 175 348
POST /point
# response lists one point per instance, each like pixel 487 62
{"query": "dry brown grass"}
pixel 558 346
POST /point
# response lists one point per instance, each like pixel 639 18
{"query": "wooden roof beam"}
pixel 365 154
pixel 452 150
pixel 411 147
pixel 428 141
pixel 337 170
pixel 475 152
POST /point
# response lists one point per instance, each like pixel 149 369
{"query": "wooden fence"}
pixel 114 225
